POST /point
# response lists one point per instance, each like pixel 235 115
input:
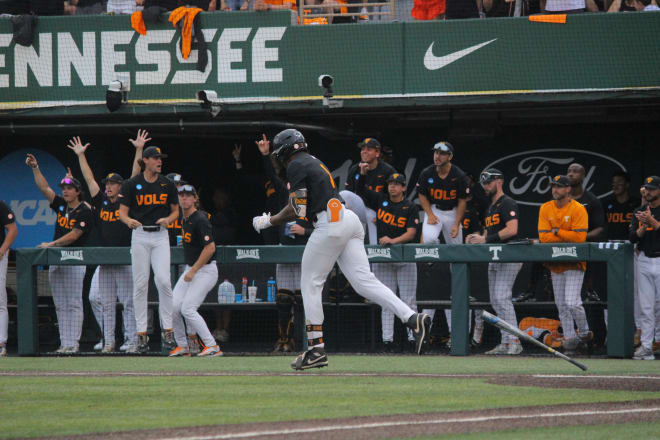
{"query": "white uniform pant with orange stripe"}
pixel 341 242
pixel 567 286
pixel 188 296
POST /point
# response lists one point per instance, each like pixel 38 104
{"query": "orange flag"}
pixel 549 18
pixel 138 23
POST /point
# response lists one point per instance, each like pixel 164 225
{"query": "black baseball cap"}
pixel 443 147
pixel 70 181
pixel 112 177
pixel 560 180
pixel 652 182
pixel 398 178
pixel 490 174
pixel 153 152
pixel 187 188
pixel 369 143
pixel 176 178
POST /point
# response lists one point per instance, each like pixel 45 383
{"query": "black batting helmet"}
pixel 286 143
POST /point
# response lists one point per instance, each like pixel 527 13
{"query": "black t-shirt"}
pixel 111 230
pixel 650 242
pixel 619 217
pixel 472 220
pixel 594 210
pixel 6 217
pixel 392 219
pixel 376 179
pixel 306 171
pixel 500 212
pixel 147 202
pixel 443 193
pixel 81 217
pixel 197 233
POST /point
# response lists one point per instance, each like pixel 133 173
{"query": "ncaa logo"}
pixel 138 186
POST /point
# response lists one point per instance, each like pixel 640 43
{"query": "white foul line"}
pixel 410 423
pixel 569 376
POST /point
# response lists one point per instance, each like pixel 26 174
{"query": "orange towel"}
pixel 137 22
pixel 188 14
pixel 549 18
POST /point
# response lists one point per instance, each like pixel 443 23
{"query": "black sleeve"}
pixel 278 184
pixel 352 177
pixel 57 202
pixel 205 229
pixel 423 184
pixel 462 184
pixel 126 193
pixel 97 200
pixel 508 211
pixel 634 225
pixel 296 176
pixel 172 193
pixel 412 219
pixel 371 198
pixel 6 214
pixel 84 220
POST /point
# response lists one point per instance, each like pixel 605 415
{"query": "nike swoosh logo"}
pixel 431 62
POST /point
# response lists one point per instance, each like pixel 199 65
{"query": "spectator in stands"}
pixel 84 7
pixel 169 5
pixel 568 6
pixel 496 8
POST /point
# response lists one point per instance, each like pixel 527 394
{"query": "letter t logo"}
pixel 495 250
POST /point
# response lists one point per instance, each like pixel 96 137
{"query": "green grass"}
pixel 36 406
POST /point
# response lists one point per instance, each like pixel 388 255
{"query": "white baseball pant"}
pixel 501 277
pixel 341 242
pixel 403 276
pixel 4 314
pixel 649 297
pixel 66 284
pixel 288 276
pixel 366 215
pixel 567 286
pixel 116 282
pixel 95 299
pixel 151 248
pixel 431 235
pixel 188 296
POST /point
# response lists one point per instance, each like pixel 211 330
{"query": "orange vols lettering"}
pixel 441 194
pixel 150 199
pixel 187 237
pixel 492 220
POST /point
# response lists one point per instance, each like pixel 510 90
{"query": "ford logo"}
pixel 528 174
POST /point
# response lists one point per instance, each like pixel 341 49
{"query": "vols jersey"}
pixel 197 232
pixel 111 230
pixel 6 217
pixel 499 213
pixel 307 172
pixel 650 242
pixel 147 202
pixel 571 221
pixel 443 193
pixel 393 219
pixel 472 223
pixel 80 217
pixel 619 217
pixel 375 179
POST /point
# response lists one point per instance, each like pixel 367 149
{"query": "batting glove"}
pixel 261 222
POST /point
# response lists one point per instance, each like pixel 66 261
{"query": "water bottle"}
pixel 240 297
pixel 226 292
pixel 272 289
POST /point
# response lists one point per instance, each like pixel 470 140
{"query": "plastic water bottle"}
pixel 243 295
pixel 272 289
pixel 226 292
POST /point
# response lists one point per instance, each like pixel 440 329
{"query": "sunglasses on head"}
pixel 487 177
pixel 186 188
pixel 67 181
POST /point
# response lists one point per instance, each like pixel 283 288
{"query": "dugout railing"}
pixel 617 256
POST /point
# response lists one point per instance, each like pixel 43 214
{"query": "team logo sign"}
pixel 530 173
pixel 71 255
pixel 570 251
pixel 242 254
pixel 379 253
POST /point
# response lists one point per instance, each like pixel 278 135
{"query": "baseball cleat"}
pixel 643 354
pixel 143 343
pixel 98 346
pixel 180 351
pixel 313 358
pixel 211 351
pixel 110 348
pixel 3 351
pixel 420 323
pixel 515 348
pixel 168 339
pixel 499 349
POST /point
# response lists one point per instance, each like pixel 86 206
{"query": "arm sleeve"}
pixel 57 202
pixel 6 214
pixel 371 198
pixel 509 211
pixel 205 230
pixel 172 194
pixel 125 194
pixel 278 184
pixel 578 232
pixel 296 177
pixel 462 187
pixel 422 184
pixel 97 200
pixel 412 219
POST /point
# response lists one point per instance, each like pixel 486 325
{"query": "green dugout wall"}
pixel 618 256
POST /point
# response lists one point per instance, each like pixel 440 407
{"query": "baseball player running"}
pixel 397 222
pixel 338 237
pixel 149 202
pixel 74 222
pixel 442 190
pixel 564 220
pixel 501 226
pixel 645 233
pixel 377 171
pixel 113 282
pixel 200 275
pixel 7 221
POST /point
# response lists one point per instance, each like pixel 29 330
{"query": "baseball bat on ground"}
pixel 497 322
